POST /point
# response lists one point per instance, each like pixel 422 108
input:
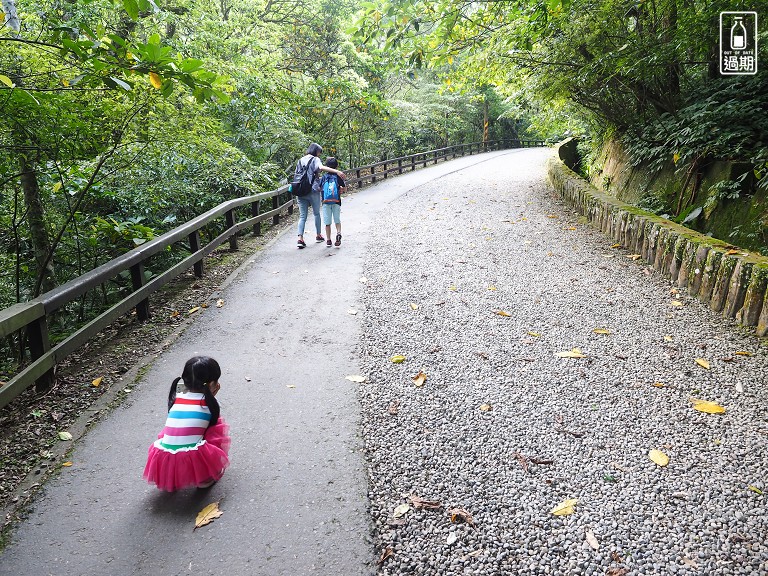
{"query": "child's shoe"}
pixel 328 242
pixel 319 238
pixel 338 240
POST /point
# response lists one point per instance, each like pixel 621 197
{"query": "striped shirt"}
pixel 187 422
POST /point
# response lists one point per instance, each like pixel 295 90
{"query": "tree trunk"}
pixel 41 244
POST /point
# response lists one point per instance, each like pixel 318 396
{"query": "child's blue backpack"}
pixel 330 189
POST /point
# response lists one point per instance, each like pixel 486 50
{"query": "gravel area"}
pixel 479 280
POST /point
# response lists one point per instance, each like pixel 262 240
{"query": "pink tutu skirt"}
pixel 173 470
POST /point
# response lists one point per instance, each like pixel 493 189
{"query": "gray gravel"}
pixel 495 238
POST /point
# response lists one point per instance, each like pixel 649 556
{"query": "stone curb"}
pixel 733 282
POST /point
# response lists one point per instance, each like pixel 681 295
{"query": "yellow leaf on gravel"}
pixel 534 334
pixel 401 510
pixel 616 246
pixel 491 287
pixel 707 407
pixel 486 407
pixel 743 353
pixel 575 353
pixel 419 379
pixel 703 363
pixel 207 515
pixel 452 288
pixel 658 457
pixel 398 359
pixel 601 331
pixel 755 489
pixel 634 256
pixel 502 313
pixel 565 508
pixel 677 303
pixel 66 464
pixel 193 310
pixel 155 80
pixel 96 383
pixel 668 338
pixel 414 306
pixel 357 378
pixel 658 385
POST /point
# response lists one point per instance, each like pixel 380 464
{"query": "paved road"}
pixel 294 499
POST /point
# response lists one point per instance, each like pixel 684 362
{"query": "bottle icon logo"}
pixel 738 43
pixel 738 35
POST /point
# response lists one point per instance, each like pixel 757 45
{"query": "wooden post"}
pixel 275 206
pixel 194 246
pixel 399 165
pixel 385 170
pixel 137 280
pixel 425 159
pixel 255 211
pixel 39 344
pixel 413 162
pixel 230 217
pixel 359 182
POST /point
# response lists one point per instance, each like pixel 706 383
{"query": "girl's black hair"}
pixel 331 162
pixel 315 149
pixel 198 372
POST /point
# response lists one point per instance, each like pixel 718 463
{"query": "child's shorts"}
pixel 331 209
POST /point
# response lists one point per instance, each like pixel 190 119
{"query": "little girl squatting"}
pixel 193 447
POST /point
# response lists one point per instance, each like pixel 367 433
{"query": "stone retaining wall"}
pixel 732 281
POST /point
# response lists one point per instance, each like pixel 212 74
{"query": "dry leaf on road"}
pixel 601 331
pixel 420 503
pixel 575 353
pixel 565 508
pixel 703 363
pixel 658 457
pixel 486 407
pixel 419 379
pixel 356 378
pixel 461 515
pixel 398 359
pixel 592 540
pixel 502 313
pixel 707 407
pixel 207 515
pixel 401 510
pixel 97 382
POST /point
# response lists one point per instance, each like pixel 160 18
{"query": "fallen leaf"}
pixel 575 353
pixel 66 464
pixel 419 379
pixel 204 305
pixel 96 383
pixel 394 407
pixel 401 510
pixel 352 311
pixel 453 288
pixel 755 489
pixel 65 436
pixel 732 252
pixel 491 287
pixel 601 331
pixel 398 359
pixel 534 334
pixel 616 571
pixel 193 310
pixel 743 353
pixel 690 563
pixel 207 515
pixel 386 554
pixel 658 385
pixel 461 515
pixel 290 386
pixel 174 313
pixel 634 256
pixel 658 457
pixel 474 554
pixel 451 538
pixel 668 338
pixel 357 378
pixel 486 407
pixel 616 246
pixel 551 216
pixel 414 306
pixel 420 503
pixel 565 508
pixel 703 363
pixel 676 303
pixel 592 540
pixel 502 313
pixel 219 303
pixel 707 407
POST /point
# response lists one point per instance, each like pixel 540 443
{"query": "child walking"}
pixel 192 449
pixel 332 186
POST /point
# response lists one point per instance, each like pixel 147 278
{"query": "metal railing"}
pixel 31 318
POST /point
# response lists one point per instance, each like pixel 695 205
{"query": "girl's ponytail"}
pixel 172 393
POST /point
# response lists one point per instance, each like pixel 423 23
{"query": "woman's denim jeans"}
pixel 304 202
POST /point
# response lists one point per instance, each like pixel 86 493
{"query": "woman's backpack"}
pixel 301 185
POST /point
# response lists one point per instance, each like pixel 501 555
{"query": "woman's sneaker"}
pixel 338 240
pixel 328 242
pixel 319 238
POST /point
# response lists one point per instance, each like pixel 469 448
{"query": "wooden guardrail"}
pixel 31 317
